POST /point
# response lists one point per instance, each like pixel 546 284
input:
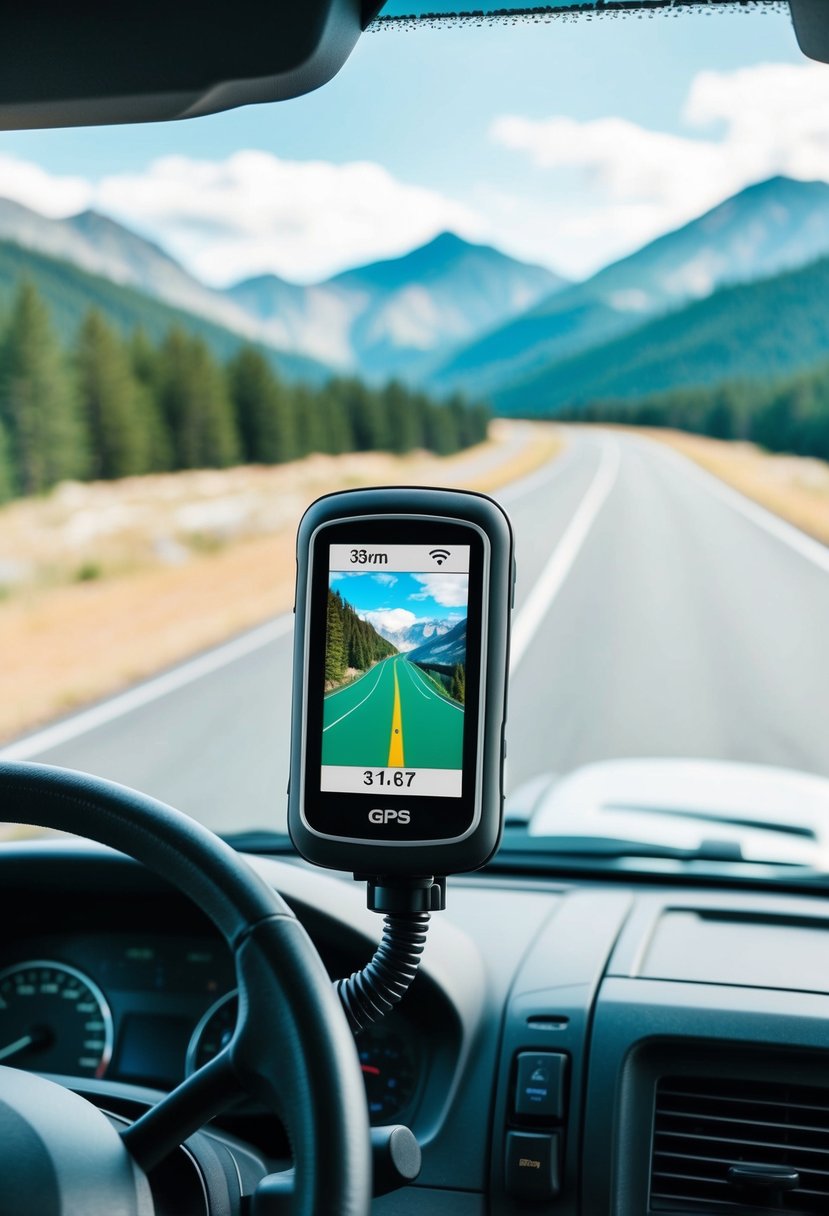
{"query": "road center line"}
pixel 152 690
pixel 396 740
pixel 380 669
pixel 552 577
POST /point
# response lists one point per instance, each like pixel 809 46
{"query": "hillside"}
pixel 100 245
pixel 394 316
pixel 69 292
pixel 765 229
pixel 380 319
pixel 444 651
pixel 757 331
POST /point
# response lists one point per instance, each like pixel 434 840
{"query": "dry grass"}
pixel 794 487
pixel 111 582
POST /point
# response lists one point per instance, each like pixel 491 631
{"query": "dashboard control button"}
pixel 539 1085
pixel 532 1165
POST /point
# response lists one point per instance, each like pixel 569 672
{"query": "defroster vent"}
pixel 732 1145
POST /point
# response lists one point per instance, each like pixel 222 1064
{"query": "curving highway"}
pixel 657 614
pixel 392 716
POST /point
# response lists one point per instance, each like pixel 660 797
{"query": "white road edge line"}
pixel 380 669
pixel 552 577
pixel 415 683
pixel 329 696
pixel 161 686
pixel 801 542
pixel 443 700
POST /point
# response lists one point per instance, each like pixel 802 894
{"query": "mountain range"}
pixel 376 320
pixel 410 636
pixel 754 331
pixel 737 292
pixel 386 318
pixel 767 228
pixel 443 651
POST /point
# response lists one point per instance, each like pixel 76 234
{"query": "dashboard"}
pixel 152 1008
pixel 569 1047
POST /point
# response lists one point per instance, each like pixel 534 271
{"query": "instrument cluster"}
pixel 150 1011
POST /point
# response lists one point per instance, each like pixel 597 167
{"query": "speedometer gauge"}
pixel 53 1019
pixel 387 1057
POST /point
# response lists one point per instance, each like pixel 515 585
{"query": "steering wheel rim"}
pixel 292 1048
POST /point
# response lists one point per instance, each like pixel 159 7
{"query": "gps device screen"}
pixel 395 670
pixel 400 680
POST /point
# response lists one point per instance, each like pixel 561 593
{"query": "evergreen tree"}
pixel 37 407
pixel 111 402
pixel 146 363
pixel 335 659
pixel 196 405
pixel 368 416
pixel 146 366
pixel 264 409
pixel 440 426
pixel 6 475
pixel 310 431
pixel 405 421
pixel 335 425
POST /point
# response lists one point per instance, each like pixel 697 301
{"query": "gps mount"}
pixel 401 645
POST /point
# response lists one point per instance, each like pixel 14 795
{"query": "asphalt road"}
pixel 392 717
pixel 657 614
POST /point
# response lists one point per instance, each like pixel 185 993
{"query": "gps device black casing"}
pixel 387 833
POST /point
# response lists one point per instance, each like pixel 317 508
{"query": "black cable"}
pixel 369 994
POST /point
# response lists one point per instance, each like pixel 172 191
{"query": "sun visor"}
pixel 85 64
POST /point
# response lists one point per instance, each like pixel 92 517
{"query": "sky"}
pixel 397 601
pixel 566 143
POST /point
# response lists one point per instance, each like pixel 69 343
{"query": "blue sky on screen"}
pixel 398 600
pixel 568 143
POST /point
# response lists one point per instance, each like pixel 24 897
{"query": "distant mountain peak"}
pixel 768 227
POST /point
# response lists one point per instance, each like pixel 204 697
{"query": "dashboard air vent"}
pixel 734 1145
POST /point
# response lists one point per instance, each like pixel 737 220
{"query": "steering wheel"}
pixel 292 1049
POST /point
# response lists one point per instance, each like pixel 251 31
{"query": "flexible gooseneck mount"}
pixel 369 994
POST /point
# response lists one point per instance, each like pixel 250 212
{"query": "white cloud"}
pixel 392 620
pixel 448 590
pixel 607 186
pixel 633 183
pixel 49 193
pixel 385 580
pixel 254 212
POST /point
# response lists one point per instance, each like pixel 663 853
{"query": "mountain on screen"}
pixel 442 651
pixel 411 636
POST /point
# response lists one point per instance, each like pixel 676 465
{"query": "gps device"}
pixel 400 672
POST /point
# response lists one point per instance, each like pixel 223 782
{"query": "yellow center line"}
pixel 396 744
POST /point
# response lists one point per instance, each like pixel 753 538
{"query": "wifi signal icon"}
pixel 439 555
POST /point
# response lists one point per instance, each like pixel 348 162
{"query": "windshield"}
pixel 578 264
